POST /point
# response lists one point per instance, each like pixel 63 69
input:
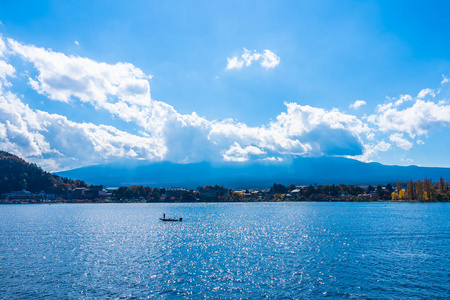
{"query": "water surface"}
pixel 226 251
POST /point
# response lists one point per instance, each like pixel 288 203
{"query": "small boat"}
pixel 164 219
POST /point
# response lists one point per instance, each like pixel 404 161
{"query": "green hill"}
pixel 17 174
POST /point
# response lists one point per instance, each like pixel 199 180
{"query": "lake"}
pixel 225 251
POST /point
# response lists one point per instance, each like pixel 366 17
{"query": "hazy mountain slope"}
pixel 300 171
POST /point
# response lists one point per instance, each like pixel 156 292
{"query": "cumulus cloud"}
pixel 444 79
pixel 371 151
pixel 415 120
pixel 60 143
pixel 268 59
pixel 2 46
pixel 423 93
pixel 400 141
pixel 76 43
pixel 63 77
pixel 123 91
pixel 357 104
pixel 6 70
pixel 234 63
pixel 401 99
pixel 237 153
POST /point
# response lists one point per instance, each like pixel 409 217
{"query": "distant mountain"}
pixel 17 174
pixel 300 171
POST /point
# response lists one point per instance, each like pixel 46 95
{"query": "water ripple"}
pixel 225 251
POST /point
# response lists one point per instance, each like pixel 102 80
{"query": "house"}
pixel 78 193
pixel 23 194
pixel 94 192
pixel 213 193
pixel 365 197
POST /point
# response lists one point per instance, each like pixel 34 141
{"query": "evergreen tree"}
pixel 389 188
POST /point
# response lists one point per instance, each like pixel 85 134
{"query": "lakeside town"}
pixel 419 191
pixel 23 182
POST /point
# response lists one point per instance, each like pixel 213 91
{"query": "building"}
pixel 23 194
pixel 94 192
pixel 78 193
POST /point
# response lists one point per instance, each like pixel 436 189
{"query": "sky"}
pixel 92 82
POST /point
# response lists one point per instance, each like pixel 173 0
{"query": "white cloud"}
pixel 237 153
pixel 357 104
pixel 76 43
pixel 234 63
pixel 2 46
pixel 302 130
pixel 6 70
pixel 123 91
pixel 269 59
pixel 406 160
pixel 444 79
pixel 371 151
pixel 272 158
pixel 62 77
pixel 417 119
pixel 420 142
pixel 423 93
pixel 400 141
pixel 403 98
pixel 248 57
pixel 59 143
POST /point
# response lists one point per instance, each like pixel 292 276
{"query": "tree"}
pixel 291 187
pixel 380 191
pixel 419 190
pixel 409 193
pixel 442 185
pixel 279 189
pixel 428 187
pixel 389 188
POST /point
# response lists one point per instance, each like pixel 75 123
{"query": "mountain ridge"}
pixel 299 171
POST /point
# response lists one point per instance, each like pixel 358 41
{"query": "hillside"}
pixel 17 174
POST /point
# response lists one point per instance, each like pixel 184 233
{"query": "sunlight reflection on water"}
pixel 232 251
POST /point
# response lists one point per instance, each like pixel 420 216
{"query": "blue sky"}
pixel 310 61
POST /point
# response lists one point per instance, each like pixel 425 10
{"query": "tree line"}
pixel 424 190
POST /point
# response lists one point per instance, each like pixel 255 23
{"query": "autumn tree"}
pixel 409 193
pixel 429 190
pixel 398 186
pixel 442 185
pixel 419 190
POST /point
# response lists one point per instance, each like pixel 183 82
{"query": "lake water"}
pixel 226 251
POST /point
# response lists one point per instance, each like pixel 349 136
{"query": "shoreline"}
pixel 214 202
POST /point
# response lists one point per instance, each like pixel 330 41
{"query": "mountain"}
pixel 17 174
pixel 300 171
